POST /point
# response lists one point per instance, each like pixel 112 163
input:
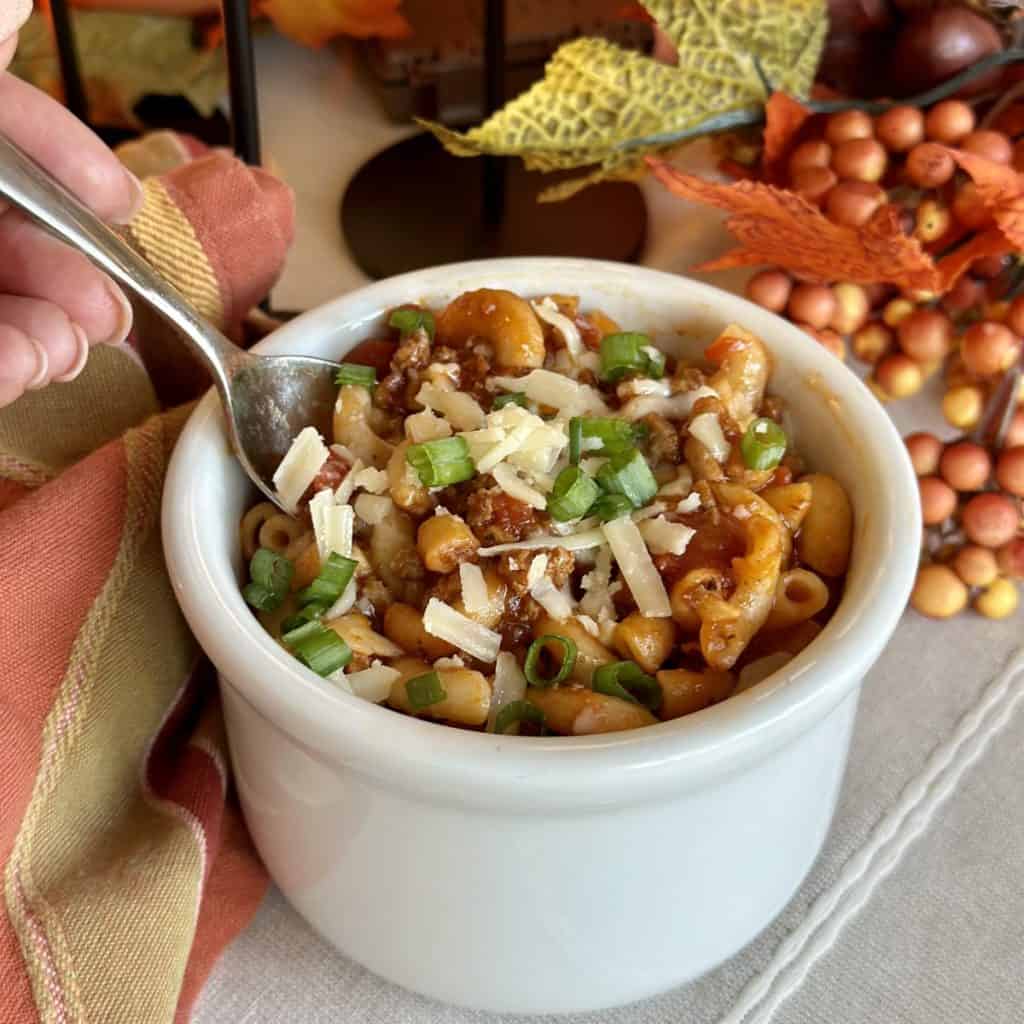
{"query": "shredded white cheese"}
pixel 538 566
pixel 475 596
pixel 597 591
pixel 426 426
pixel 299 467
pixel 509 685
pixel 373 508
pixel 348 484
pixel 556 390
pixel 453 662
pixel 588 624
pixel 461 410
pixel 681 485
pixel 318 506
pixel 512 442
pixel 673 407
pixel 571 542
pixel 509 481
pixel 338 523
pixel 664 537
pixel 373 480
pixel 558 604
pixel 708 431
pixel 373 683
pixel 643 386
pixel 691 503
pixel 641 575
pixel 548 310
pixel 444 622
pixel 344 603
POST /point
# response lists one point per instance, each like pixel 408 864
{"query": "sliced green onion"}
pixel 330 584
pixel 763 444
pixel 630 352
pixel 655 362
pixel 312 611
pixel 515 398
pixel 627 680
pixel 611 506
pixel 629 474
pixel 531 667
pixel 616 436
pixel 573 493
pixel 318 648
pixel 356 374
pixel 260 598
pixel 575 440
pixel 409 320
pixel 425 690
pixel 271 571
pixel 441 462
pixel 516 712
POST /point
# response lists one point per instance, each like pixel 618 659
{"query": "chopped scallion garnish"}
pixel 357 375
pixel 516 712
pixel 515 398
pixel 441 462
pixel 627 680
pixel 531 668
pixel 629 474
pixel 629 353
pixel 573 493
pixel 611 506
pixel 409 320
pixel 616 436
pixel 271 575
pixel 425 690
pixel 575 440
pixel 311 611
pixel 318 647
pixel 763 444
pixel 330 584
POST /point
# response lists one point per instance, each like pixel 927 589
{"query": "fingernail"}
pixel 40 377
pixel 81 355
pixel 138 197
pixel 124 320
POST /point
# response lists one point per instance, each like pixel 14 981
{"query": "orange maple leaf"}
pixel 782 228
pixel 1001 189
pixel 314 22
pixel 952 266
pixel 784 117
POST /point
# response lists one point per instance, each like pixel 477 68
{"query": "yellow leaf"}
pixel 314 22
pixel 596 97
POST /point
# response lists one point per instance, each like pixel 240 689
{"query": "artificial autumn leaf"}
pixel 1001 189
pixel 783 119
pixel 955 264
pixel 314 22
pixel 782 228
pixel 596 99
pixel 123 58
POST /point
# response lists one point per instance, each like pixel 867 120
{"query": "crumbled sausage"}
pixel 497 518
pixel 331 473
pixel 662 439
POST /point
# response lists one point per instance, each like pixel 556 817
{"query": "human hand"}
pixel 54 304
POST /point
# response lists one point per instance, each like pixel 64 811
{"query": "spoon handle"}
pixel 26 185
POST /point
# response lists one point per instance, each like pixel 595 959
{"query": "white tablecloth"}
pixel 913 913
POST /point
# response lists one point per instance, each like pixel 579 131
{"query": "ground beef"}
pixel 332 472
pixel 474 369
pixel 497 518
pixel 663 442
pixel 513 567
pixel 414 353
pixel 447 588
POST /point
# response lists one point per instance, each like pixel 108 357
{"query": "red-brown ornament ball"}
pixel 965 466
pixel 991 519
pixel 988 348
pixel 925 451
pixel 1010 470
pixel 938 500
pixel 770 289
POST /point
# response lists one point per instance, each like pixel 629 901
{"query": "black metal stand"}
pixel 414 205
pixel 245 119
pixel 67 58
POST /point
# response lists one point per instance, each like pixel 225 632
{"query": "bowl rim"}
pixel 470 767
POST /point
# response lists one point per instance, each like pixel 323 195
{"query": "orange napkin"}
pixel 126 866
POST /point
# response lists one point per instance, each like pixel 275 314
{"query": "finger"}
pixel 7 48
pixel 65 343
pixel 71 152
pixel 13 14
pixel 23 364
pixel 34 265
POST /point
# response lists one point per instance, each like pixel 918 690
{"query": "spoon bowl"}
pixel 267 399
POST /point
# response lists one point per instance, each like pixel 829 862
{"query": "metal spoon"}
pixel 267 399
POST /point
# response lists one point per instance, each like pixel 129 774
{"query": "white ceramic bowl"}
pixel 545 875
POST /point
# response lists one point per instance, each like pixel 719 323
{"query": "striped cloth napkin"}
pixel 126 866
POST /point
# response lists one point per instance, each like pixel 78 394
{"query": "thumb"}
pixel 13 14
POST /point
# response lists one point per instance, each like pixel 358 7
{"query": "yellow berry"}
pixel 938 592
pixel 998 600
